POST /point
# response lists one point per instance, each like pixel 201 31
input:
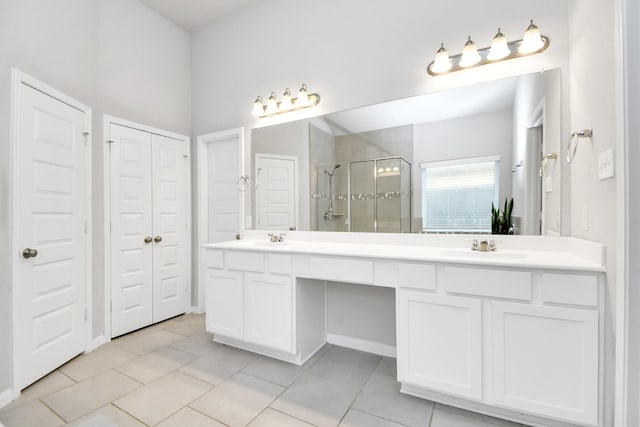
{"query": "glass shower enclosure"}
pixel 380 195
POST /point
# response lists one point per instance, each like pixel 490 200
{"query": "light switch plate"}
pixel 606 164
pixel 548 184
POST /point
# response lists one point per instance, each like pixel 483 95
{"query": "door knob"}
pixel 148 239
pixel 29 253
pixel 157 239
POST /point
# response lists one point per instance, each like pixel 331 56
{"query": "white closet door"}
pixel 170 189
pixel 275 193
pixel 131 230
pixel 50 275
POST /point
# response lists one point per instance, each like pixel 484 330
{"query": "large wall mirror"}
pixel 433 163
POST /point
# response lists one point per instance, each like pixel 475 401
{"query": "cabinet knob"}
pixel 148 239
pixel 157 239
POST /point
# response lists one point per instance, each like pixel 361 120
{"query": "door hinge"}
pixel 86 227
pixel 110 142
pixel 86 315
pixel 86 137
pixel 109 226
pixel 111 307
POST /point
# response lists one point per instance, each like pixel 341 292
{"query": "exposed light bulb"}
pixel 470 55
pixel 286 104
pixel 272 104
pixel 258 108
pixel 499 47
pixel 303 97
pixel 442 62
pixel 532 40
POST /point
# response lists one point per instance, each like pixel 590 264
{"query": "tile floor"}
pixel 173 374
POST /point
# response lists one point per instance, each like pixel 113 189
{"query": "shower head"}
pixel 333 170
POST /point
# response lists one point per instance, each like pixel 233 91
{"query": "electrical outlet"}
pixel 585 218
pixel 606 164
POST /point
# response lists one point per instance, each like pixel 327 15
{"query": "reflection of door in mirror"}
pixel 275 192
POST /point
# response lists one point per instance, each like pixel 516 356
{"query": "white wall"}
pixel 353 53
pixel 116 56
pixel 531 90
pixel 592 104
pixel 489 134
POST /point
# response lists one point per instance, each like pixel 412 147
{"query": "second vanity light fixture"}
pixel 286 104
pixel 531 43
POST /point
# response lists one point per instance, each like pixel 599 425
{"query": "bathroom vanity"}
pixel 516 333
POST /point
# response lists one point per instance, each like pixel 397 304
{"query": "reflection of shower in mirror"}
pixel 329 213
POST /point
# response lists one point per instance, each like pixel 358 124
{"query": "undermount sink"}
pixel 267 243
pixel 468 253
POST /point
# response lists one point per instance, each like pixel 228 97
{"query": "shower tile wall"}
pixel 397 141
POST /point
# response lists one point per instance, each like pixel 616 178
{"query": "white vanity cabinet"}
pixel 513 334
pixel 545 360
pixel 439 342
pixel 268 313
pixel 515 339
pixel 249 298
pixel 224 303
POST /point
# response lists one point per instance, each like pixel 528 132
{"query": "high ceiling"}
pixel 193 14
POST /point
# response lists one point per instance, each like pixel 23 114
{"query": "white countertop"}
pixel 569 253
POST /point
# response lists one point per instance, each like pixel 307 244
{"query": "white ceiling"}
pixel 460 102
pixel 193 14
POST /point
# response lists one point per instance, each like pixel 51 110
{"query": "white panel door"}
pixel 440 342
pixel 268 311
pixel 275 193
pixel 169 166
pixel 544 360
pixel 224 197
pixel 131 230
pixel 49 301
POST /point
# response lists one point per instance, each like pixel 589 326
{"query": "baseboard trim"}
pixel 97 342
pixel 196 309
pixel 6 397
pixel 362 345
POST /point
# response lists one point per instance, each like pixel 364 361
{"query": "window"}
pixel 457 194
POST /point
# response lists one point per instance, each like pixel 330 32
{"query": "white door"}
pixel 224 196
pixel 268 311
pixel 440 342
pixel 131 229
pixel 544 360
pixel 50 275
pixel 221 194
pixel 275 192
pixel 170 189
pixel 224 303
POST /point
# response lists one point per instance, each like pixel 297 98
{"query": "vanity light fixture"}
pixel 531 43
pixel 273 107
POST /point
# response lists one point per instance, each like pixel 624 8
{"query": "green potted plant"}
pixel 501 221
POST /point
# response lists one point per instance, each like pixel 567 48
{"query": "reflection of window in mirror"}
pixel 457 195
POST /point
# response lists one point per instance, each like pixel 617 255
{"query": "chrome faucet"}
pixel 273 237
pixel 484 245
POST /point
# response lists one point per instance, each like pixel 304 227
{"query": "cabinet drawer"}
pixel 279 264
pixel 244 261
pixel 405 274
pixel 488 282
pixel 213 258
pixel 341 269
pixel 416 275
pixel 578 289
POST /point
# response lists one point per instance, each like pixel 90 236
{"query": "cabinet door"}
pixel 170 189
pixel 544 360
pixel 268 311
pixel 439 342
pixel 224 303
